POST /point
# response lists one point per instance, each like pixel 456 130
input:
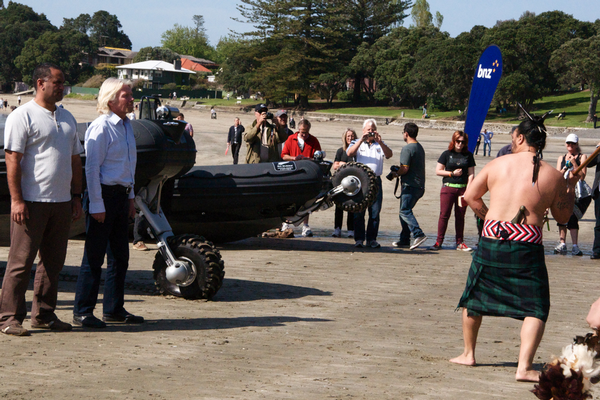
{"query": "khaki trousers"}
pixel 46 231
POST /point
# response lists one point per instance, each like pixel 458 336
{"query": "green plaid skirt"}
pixel 507 279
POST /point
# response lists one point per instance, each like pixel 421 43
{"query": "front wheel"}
pixel 205 258
pixel 365 184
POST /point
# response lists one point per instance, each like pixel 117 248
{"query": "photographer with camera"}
pixel 264 137
pixel 412 171
pixel 369 150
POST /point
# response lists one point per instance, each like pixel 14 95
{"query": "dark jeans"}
pixel 235 151
pixel 339 219
pixel 111 235
pixel 408 200
pixel 449 199
pixel 373 223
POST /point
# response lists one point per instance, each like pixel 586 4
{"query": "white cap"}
pixel 572 138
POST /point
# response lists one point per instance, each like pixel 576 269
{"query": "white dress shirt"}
pixel 110 157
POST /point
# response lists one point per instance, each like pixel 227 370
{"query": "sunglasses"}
pixel 571 144
pixel 460 141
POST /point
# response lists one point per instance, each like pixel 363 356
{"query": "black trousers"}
pixel 235 151
pixel 111 236
pixel 596 247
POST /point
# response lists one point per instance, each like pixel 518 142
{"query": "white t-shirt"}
pixel 47 141
pixel 372 156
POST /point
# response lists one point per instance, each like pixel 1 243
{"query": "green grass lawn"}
pixel 224 102
pixel 574 104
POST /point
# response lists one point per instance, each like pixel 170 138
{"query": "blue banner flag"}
pixel 485 82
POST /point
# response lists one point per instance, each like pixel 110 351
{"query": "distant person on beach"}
pixel 508 275
pixel 188 127
pixel 234 139
pixel 487 142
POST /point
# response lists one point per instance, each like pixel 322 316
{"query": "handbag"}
pixel 582 189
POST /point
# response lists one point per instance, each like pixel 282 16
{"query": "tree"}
pixel 390 60
pixel 64 48
pixel 18 23
pixel 104 29
pixel 155 53
pixel 443 69
pixel 189 40
pixel 527 45
pixel 237 58
pixel 577 62
pixel 367 21
pixel 420 14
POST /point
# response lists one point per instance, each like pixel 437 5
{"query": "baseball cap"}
pixel 280 113
pixel 261 107
pixel 572 138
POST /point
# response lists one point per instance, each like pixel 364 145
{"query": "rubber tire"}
pixel 368 193
pixel 207 260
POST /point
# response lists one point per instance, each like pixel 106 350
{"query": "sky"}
pixel 145 21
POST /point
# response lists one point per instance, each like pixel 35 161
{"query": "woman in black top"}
pixel 457 167
pixel 575 157
pixel 342 158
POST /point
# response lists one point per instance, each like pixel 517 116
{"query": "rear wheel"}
pixel 366 184
pixel 204 257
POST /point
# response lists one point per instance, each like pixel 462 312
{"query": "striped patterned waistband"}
pixel 504 230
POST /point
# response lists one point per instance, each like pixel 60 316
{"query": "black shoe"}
pixel 595 256
pixel 88 321
pixel 123 317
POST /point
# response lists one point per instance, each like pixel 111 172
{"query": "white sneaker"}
pixel 350 234
pixel 418 241
pixel 561 249
pixel 576 251
pixel 285 226
pixel 337 232
pixel 306 232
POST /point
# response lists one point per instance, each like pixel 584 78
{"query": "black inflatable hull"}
pixel 163 149
pixel 231 202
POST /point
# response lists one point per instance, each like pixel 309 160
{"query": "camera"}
pixel 269 115
pixel 393 171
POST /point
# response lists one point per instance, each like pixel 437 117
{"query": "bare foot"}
pixel 528 376
pixel 464 360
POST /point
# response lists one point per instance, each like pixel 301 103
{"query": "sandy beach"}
pixel 304 318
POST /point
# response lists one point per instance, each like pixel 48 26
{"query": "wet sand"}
pixel 304 318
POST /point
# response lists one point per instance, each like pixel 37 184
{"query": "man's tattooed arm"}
pixel 480 210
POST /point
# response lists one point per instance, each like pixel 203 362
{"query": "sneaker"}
pixel 463 247
pixel 140 246
pixel 306 232
pixel 285 226
pixel 401 244
pixel 418 241
pixel 56 325
pixel 88 321
pixel 436 246
pixel 560 249
pixel 576 251
pixel 337 232
pixel 374 244
pixel 15 329
pixel 358 244
pixel 123 317
pixel 350 234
